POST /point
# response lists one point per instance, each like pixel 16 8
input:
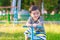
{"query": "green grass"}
pixel 3 17
pixel 20 36
pixel 53 36
pixel 9 36
pixel 8 32
pixel 49 17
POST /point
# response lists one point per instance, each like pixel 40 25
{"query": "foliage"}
pixel 5 2
pixel 48 4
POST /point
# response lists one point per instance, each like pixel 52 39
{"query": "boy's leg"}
pixel 27 34
pixel 26 37
pixel 43 38
pixel 43 34
pixel 41 28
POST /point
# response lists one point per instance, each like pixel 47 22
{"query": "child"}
pixel 35 20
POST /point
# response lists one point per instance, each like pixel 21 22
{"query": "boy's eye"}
pixel 36 13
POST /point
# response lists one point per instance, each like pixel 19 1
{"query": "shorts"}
pixel 37 34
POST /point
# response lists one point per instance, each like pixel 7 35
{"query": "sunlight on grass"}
pixel 12 28
pixel 16 31
pixel 54 28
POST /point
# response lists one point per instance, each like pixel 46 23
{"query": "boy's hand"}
pixel 34 25
pixel 28 24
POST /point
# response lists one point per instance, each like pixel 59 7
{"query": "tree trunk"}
pixel 38 3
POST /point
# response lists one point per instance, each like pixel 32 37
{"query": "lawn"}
pixel 16 31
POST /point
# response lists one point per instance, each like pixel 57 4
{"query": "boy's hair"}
pixel 32 3
pixel 34 8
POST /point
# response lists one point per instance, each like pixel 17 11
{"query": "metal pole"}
pixel 13 5
pixel 42 10
pixel 19 8
pixel 8 17
pixel 15 15
pixel 19 5
pixel 32 33
pixel 14 9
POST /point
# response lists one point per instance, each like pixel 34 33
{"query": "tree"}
pixel 38 3
pixel 5 2
pixel 50 5
pixel 57 9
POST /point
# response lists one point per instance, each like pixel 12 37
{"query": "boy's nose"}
pixel 36 15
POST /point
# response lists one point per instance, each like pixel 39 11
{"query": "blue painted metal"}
pixel 32 33
pixel 15 14
pixel 42 10
pixel 19 5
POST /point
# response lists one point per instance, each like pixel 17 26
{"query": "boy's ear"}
pixel 30 13
pixel 40 13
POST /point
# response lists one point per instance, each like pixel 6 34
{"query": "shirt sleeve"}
pixel 41 20
pixel 29 21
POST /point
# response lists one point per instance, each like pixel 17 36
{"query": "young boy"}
pixel 36 21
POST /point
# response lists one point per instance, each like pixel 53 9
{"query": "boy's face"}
pixel 35 14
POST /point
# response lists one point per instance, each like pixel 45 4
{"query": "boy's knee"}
pixel 26 37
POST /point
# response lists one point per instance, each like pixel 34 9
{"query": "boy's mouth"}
pixel 35 19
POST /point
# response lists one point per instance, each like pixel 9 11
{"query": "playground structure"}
pixel 15 13
pixel 33 36
pixel 15 9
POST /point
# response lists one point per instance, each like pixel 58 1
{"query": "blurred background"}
pixel 15 13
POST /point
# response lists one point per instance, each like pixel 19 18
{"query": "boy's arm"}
pixel 29 22
pixel 41 21
pixel 39 24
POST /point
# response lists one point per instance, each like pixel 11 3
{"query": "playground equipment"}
pixel 5 15
pixel 16 7
pixel 42 9
pixel 33 36
pixel 24 15
pixel 15 10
